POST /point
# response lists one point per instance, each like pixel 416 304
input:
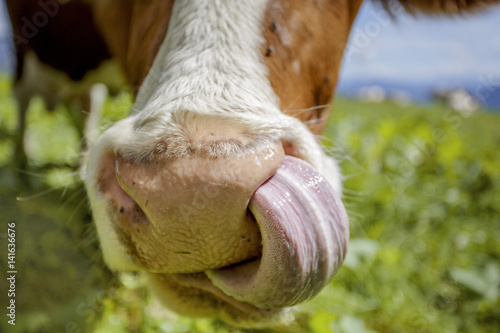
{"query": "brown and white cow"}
pixel 216 186
pixel 61 56
pixel 229 204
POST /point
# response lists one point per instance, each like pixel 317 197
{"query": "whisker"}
pixel 296 112
pixel 74 195
pixel 89 236
pixel 351 199
pixel 97 256
pixel 38 195
pixel 290 105
pixel 312 108
pixel 356 192
pixel 314 120
pixel 31 173
pixel 350 176
pixel 77 208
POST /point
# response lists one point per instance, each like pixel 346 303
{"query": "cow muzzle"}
pixel 256 227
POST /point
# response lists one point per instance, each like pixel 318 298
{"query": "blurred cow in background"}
pixel 459 100
pixel 60 56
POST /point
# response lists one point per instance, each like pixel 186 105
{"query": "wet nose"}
pixel 192 210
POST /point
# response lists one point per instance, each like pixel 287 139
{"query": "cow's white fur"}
pixel 209 66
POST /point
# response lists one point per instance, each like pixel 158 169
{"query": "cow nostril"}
pixel 130 212
pixel 126 209
pixel 138 215
pixel 289 148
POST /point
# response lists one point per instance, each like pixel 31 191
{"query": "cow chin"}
pixel 195 296
pixel 225 223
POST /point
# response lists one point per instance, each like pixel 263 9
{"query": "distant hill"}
pixel 421 92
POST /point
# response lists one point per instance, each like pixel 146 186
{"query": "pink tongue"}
pixel 305 234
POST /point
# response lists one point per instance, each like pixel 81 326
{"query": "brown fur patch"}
pixel 135 31
pixel 307 39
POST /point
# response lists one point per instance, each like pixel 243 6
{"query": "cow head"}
pixel 216 185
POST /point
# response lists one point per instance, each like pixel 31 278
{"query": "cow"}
pixel 60 56
pixel 216 186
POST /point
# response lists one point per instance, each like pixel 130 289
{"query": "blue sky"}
pixel 425 50
pixel 5 53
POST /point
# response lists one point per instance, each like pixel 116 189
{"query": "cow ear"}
pixel 439 6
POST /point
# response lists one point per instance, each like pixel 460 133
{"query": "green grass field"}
pixel 422 188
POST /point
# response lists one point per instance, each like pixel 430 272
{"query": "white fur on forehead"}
pixel 210 61
pixel 208 65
